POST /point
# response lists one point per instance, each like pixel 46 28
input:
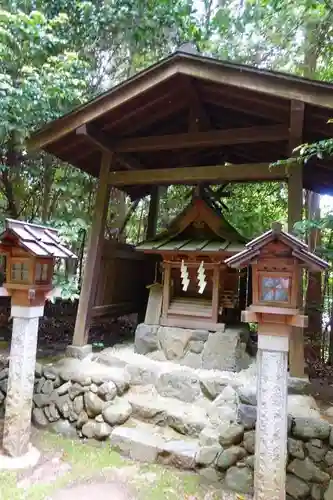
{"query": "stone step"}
pixel 149 443
pixel 185 418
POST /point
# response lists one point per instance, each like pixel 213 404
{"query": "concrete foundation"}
pixel 17 424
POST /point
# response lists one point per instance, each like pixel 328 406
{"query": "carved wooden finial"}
pixel 277 227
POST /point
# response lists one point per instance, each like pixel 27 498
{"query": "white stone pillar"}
pixel 16 435
pixel 272 417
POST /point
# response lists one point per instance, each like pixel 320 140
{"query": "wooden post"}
pixel 166 289
pixel 153 212
pixel 96 237
pixel 295 208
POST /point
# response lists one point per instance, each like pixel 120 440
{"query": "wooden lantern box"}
pixel 277 259
pixel 29 252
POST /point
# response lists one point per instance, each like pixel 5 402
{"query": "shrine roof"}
pixel 189 110
pixel 201 227
pixel 299 250
pixel 41 241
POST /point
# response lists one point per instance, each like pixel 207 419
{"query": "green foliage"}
pixel 56 55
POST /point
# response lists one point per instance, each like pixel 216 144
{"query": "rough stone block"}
pixel 219 352
pixel 249 441
pixel 296 488
pixel 230 434
pixel 310 428
pixel 230 457
pixel 315 452
pixel 78 352
pixel 247 416
pixel 207 454
pixel 135 443
pixel 180 384
pixel 38 418
pixel 296 448
pixel 209 436
pixel 239 480
pixel 328 495
pixel 173 341
pixel 145 338
pixel 308 471
pixel 93 404
pixel 179 454
pixel 117 411
pixel 329 458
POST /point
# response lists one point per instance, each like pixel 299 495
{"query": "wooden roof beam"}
pixel 193 175
pixel 100 140
pixel 203 139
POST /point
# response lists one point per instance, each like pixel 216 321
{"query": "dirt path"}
pixel 98 491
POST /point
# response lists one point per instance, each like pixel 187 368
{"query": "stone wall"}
pixel 227 454
pixel 222 350
pixel 206 419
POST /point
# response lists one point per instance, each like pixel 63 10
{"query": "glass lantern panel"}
pixel 44 272
pixel 275 289
pixel 38 272
pixel 16 272
pixel 24 272
pixel 20 272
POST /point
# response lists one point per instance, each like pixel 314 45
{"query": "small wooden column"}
pixel 91 269
pixel 153 212
pixel 166 289
pixel 295 208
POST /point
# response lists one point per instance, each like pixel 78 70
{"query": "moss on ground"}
pixel 92 461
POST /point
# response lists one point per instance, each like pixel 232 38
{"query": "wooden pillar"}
pixel 91 269
pixel 295 209
pixel 166 289
pixel 153 212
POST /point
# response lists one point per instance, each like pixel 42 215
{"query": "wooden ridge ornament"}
pixel 276 258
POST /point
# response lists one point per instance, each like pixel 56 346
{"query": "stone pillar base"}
pixel 29 459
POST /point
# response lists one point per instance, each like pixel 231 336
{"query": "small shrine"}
pixel 194 288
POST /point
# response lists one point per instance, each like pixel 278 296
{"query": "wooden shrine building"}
pixel 198 290
pixel 190 119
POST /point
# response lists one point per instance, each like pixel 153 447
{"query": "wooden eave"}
pixel 147 120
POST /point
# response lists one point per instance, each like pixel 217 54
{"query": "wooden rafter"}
pixel 203 139
pixel 100 140
pixel 194 175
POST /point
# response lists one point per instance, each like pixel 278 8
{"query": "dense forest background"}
pixel 56 54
